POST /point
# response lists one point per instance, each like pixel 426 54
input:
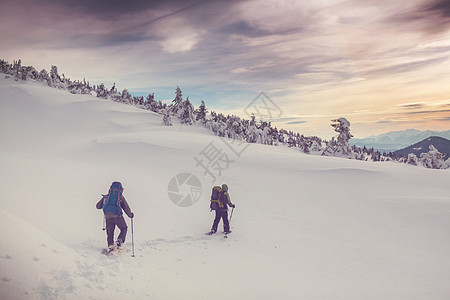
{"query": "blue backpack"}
pixel 112 200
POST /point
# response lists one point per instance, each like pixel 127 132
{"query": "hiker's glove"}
pixel 233 206
pixel 132 215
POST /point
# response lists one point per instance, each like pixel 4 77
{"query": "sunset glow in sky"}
pixel 383 65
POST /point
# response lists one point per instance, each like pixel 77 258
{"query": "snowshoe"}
pixel 225 234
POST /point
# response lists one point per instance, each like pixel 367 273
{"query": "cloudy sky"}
pixel 382 64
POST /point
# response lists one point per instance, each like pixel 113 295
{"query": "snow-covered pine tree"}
pixel 446 164
pixel 30 73
pixel 217 124
pixel 139 100
pixel 330 147
pixel 235 128
pixel 102 92
pixel 176 103
pixel 412 159
pixel 44 77
pixel 340 147
pixel 275 136
pixel 85 86
pixel 17 70
pixel 266 133
pixel 150 103
pixel 291 140
pixel 186 113
pixel 212 124
pixel 253 133
pixel 126 97
pixel 376 156
pixel 433 159
pixel 113 94
pixel 167 120
pixel 56 80
pixel 200 113
pixel 282 136
pixel 5 67
pixel 304 144
pixel 74 87
pixel 316 145
pixel 359 154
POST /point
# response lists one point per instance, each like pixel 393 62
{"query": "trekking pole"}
pixel 231 215
pixel 132 238
pixel 104 223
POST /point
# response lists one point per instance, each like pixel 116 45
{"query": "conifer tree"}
pixel 186 113
pixel 433 159
pixel 167 120
pixel 177 102
pixel 340 146
pixel 200 113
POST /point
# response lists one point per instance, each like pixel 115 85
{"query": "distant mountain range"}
pixel 396 140
pixel 441 144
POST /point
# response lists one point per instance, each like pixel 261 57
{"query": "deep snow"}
pixel 304 227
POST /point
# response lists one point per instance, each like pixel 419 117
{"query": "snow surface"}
pixel 304 227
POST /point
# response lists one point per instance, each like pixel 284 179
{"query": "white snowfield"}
pixel 304 227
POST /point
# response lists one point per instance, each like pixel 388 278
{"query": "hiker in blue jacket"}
pixel 222 212
pixel 112 205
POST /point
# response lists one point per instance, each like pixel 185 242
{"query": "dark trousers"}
pixel 111 225
pixel 221 214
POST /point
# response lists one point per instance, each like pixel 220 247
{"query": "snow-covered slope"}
pixel 304 227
